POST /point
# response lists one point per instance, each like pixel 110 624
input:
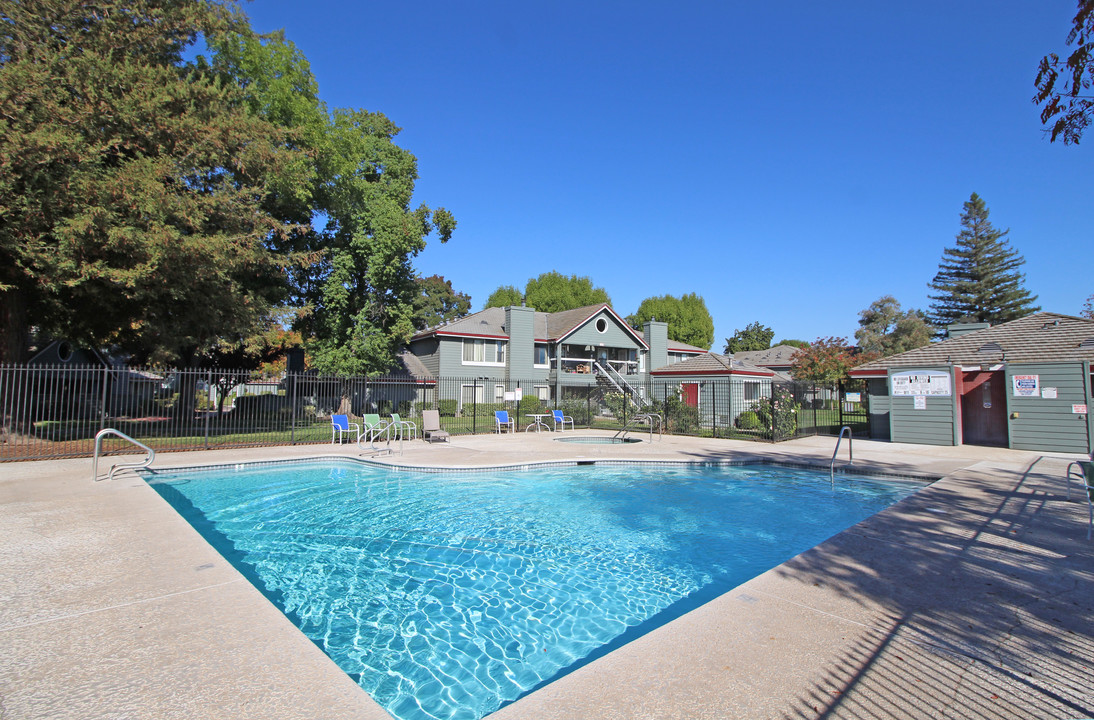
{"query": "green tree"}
pixel 504 296
pixel 687 316
pixel 754 337
pixel 791 343
pixel 437 302
pixel 978 281
pixel 827 361
pixel 358 288
pixel 1063 86
pixel 134 184
pixel 554 292
pixel 887 330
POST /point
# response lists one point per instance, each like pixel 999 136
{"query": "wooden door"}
pixel 983 408
pixel 690 394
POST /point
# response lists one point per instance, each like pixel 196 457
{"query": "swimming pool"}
pixel 450 595
pixel 598 440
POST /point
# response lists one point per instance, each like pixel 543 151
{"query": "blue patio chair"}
pixel 340 424
pixel 561 419
pixel 502 420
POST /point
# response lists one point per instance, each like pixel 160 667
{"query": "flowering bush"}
pixel 778 413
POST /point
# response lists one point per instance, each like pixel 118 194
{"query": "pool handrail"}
pixel 1088 485
pixel 850 451
pixel 646 417
pixel 118 466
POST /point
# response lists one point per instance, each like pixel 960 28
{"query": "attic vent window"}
pixel 1088 343
pixel 64 352
pixel 601 325
pixel 991 350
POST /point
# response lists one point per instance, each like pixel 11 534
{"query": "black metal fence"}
pixel 56 411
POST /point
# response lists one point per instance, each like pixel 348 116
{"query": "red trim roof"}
pixel 727 371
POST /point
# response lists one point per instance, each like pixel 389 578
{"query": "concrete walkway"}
pixel 971 599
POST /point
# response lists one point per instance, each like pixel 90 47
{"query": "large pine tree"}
pixel 979 281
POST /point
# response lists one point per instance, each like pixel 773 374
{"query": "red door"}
pixel 983 409
pixel 690 393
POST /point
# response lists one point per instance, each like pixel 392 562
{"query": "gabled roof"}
pixel 1040 337
pixel 682 347
pixel 546 327
pixel 712 364
pixel 778 356
pixel 562 324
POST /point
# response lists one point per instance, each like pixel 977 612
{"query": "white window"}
pixel 483 352
pixel 752 391
pixel 601 325
pixel 499 393
pixel 539 358
pixel 471 394
pixel 543 392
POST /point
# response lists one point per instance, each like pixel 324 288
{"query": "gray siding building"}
pixel 500 348
pixel 1025 384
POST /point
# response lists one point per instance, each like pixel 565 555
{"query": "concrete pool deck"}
pixel 971 599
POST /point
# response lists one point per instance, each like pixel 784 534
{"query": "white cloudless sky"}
pixel 789 162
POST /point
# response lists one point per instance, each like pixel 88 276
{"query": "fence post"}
pixel 839 401
pixel 474 406
pixel 208 385
pixel 102 402
pixel 292 421
pixel 714 409
pixel 815 409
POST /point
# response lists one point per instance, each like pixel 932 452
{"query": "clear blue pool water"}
pixel 450 595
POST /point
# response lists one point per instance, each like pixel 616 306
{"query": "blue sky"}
pixel 790 162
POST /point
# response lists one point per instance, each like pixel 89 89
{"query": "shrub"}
pixel 749 420
pixel 447 408
pixel 577 409
pixel 778 414
pixel 680 418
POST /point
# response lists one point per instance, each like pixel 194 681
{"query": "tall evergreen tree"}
pixel 979 281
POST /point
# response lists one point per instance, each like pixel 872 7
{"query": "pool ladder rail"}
pixel 118 466
pixel 646 417
pixel 850 452
pixel 1078 469
pixel 372 433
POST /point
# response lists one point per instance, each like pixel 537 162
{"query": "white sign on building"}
pixel 921 382
pixel 1027 385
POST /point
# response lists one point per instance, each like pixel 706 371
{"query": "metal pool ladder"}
pixel 119 466
pixel 1078 468
pixel 850 451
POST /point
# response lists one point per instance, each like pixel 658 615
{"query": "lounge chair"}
pixel 502 420
pixel 403 427
pixel 340 424
pixel 431 427
pixel 561 419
